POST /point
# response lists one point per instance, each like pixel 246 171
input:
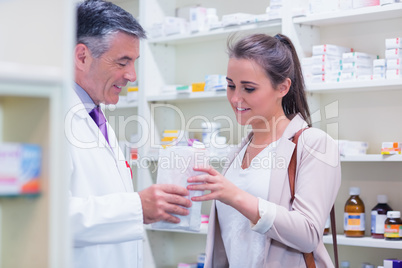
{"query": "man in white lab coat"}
pixel 107 216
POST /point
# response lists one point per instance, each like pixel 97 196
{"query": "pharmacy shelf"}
pixel 122 104
pixel 271 26
pixel 11 72
pixel 355 86
pixel 186 97
pixel 20 89
pixel 372 158
pixel 357 15
pixel 203 230
pixel 363 242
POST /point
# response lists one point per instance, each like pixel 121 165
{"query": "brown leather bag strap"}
pixel 308 257
pixel 334 241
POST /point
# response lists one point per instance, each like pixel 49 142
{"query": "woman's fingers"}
pixel 208 169
pixel 205 197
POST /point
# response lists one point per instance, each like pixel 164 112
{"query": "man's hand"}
pixel 161 200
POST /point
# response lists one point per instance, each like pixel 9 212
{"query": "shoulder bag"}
pixel 308 257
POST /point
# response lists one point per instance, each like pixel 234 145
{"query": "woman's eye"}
pixel 231 86
pixel 249 89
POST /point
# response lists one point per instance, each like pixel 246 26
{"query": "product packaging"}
pixel 358 58
pixel 332 50
pixel 378 216
pixel 388 263
pixel 394 53
pixel 354 217
pixel 175 166
pixel 394 74
pixel 20 167
pixel 393 43
pixel 394 64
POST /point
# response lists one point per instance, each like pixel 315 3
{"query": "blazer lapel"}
pixel 279 175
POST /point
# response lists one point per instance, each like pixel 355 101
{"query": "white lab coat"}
pixel 105 212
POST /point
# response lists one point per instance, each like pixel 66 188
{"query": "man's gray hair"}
pixel 98 21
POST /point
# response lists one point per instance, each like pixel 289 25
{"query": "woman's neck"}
pixel 270 132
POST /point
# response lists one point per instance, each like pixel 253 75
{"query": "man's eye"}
pixel 122 64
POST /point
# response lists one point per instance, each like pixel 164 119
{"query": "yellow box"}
pixel 131 89
pixel 198 87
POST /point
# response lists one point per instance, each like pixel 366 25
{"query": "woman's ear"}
pixel 284 87
pixel 82 57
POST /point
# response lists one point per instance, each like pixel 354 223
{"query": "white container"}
pixel 198 19
pixel 379 62
pixel 365 3
pixel 357 68
pixel 325 68
pixel 327 59
pixel 393 74
pixel 358 57
pixel 210 130
pixel 386 2
pixel 393 43
pixel 393 64
pixel 394 53
pixel 328 49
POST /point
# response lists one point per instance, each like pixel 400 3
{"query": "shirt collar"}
pixel 84 97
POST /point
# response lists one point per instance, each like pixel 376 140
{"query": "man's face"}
pixel 107 74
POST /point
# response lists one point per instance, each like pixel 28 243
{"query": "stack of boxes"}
pixel 326 62
pixel 356 66
pixel 379 68
pixel 393 55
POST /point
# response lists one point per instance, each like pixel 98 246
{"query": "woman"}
pixel 253 223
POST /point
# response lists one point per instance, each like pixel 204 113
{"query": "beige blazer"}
pixel 298 227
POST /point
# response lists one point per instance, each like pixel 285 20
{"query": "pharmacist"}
pixel 107 216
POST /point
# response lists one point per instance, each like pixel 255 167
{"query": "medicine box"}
pixel 386 2
pixel 365 3
pixel 357 68
pixel 358 57
pixel 393 43
pixel 391 148
pixel 393 74
pixel 326 59
pixel 198 19
pixel 327 78
pixel 394 53
pixel 392 263
pixel 20 167
pixel 328 49
pixel 379 62
pixel 393 64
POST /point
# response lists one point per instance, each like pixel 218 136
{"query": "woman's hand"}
pixel 221 188
pixel 225 191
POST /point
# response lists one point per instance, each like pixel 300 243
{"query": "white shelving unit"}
pixel 356 86
pixel 364 242
pixel 35 77
pixel 365 110
pixel 218 33
pixel 362 114
pixel 384 12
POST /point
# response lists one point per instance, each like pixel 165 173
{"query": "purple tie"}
pixel 100 120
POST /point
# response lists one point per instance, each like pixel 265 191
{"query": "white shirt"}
pixel 245 245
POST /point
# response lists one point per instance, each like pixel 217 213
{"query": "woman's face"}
pixel 250 92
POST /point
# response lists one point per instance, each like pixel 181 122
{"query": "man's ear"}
pixel 82 57
pixel 284 87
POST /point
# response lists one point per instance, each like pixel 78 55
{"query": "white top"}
pixel 239 238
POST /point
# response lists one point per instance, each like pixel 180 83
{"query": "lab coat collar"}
pixel 80 109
